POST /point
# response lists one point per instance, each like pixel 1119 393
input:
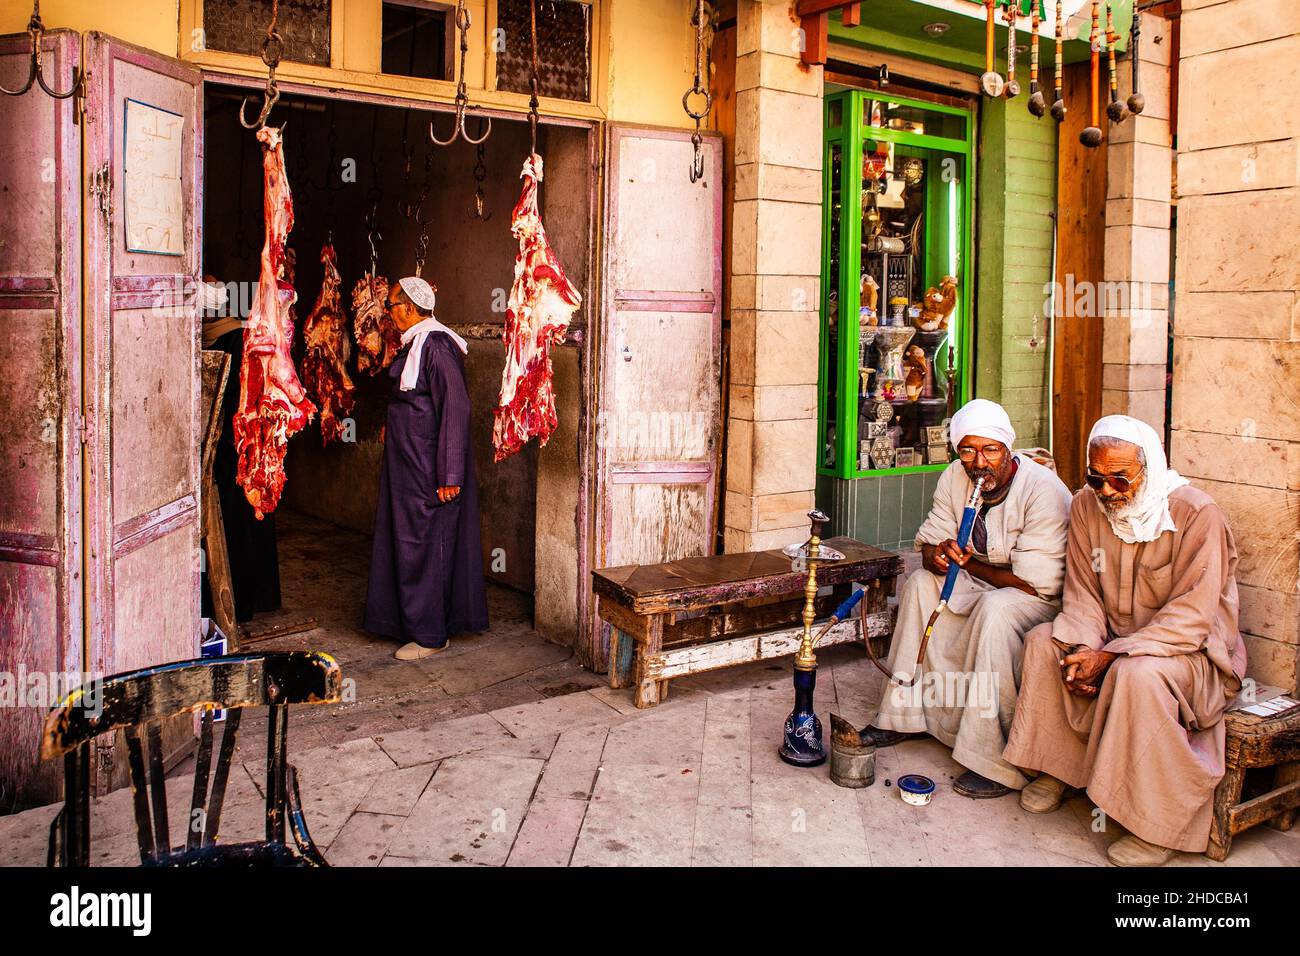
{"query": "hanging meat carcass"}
pixel 542 301
pixel 324 366
pixel 272 403
pixel 378 340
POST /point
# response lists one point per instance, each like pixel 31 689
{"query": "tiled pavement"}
pixel 585 779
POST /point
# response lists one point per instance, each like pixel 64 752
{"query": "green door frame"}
pixel 850 136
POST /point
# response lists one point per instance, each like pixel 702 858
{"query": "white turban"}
pixel 986 419
pixel 1147 517
pixel 421 293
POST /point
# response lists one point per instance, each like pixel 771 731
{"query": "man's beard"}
pixel 1115 507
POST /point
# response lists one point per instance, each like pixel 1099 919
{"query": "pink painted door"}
pixel 40 399
pixel 658 427
pixel 143 216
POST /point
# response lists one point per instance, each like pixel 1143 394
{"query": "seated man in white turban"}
pixel 1124 692
pixel 1010 580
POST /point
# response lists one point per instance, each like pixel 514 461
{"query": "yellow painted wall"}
pixel 148 23
pixel 643 51
pixel 651 62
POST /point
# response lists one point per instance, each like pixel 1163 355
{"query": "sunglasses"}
pixel 1118 482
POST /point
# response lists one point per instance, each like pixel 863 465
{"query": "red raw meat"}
pixel 378 340
pixel 272 403
pixel 542 301
pixel 325 364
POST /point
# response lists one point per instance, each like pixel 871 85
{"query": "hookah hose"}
pixel 949 582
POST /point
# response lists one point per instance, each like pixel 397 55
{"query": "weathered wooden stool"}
pixel 1256 743
pixel 701 614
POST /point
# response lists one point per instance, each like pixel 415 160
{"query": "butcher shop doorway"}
pixel 366 178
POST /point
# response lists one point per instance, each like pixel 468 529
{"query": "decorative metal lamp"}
pixel 802 743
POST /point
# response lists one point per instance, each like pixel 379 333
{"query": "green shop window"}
pixel 897 282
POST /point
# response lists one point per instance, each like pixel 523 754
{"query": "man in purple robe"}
pixel 426 571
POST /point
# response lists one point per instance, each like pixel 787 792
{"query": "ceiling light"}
pixel 935 29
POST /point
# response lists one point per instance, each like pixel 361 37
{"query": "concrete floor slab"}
pixel 420 745
pixel 471 810
pixel 395 792
pixel 364 839
pixel 549 832
pixel 555 715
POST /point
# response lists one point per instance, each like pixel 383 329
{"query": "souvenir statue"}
pixel 917 367
pixel 938 305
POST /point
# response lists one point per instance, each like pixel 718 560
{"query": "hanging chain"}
pixel 36 72
pixel 422 240
pixel 480 174
pixel 272 50
pixel 374 195
pixel 458 131
pixel 699 88
pixel 534 85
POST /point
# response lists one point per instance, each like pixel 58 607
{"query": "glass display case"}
pixel 897 282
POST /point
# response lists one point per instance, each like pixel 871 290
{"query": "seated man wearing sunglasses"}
pixel 1010 580
pixel 1124 692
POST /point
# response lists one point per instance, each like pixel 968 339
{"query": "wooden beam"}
pixel 815 27
pixel 808 8
pixel 814 20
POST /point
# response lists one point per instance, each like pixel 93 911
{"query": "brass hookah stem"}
pixel 806 660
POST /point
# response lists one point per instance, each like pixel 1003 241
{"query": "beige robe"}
pixel 1149 747
pixel 967 695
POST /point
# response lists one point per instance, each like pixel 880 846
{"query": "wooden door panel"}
pixel 32 396
pixel 659 398
pixel 154 415
pixel 648 520
pixel 658 205
pixel 142 373
pixel 40 394
pixel 663 382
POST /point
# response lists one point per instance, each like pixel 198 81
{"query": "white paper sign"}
pixel 151 175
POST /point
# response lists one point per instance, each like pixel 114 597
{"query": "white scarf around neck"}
pixel 1148 516
pixel 415 336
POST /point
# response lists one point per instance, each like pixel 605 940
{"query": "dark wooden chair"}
pixel 142 700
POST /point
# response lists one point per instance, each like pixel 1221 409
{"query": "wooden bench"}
pixel 1263 744
pixel 701 614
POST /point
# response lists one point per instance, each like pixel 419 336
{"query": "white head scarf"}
pixel 986 419
pixel 1147 517
pixel 421 293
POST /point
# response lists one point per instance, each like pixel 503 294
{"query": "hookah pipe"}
pixel 1037 102
pixel 1114 109
pixel 991 81
pixel 1012 89
pixel 1091 135
pixel 1058 104
pixel 1136 101
pixel 968 514
pixel 801 744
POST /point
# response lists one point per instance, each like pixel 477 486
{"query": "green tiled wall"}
pixel 884 511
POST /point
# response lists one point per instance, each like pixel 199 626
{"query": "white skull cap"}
pixel 419 291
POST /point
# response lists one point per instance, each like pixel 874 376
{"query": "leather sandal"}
pixel 870 736
pixel 1134 851
pixel 1044 794
pixel 970 784
pixel 416 652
